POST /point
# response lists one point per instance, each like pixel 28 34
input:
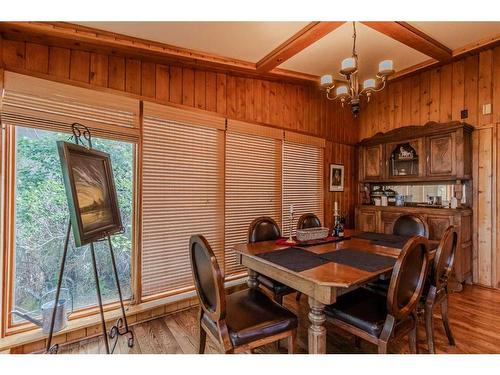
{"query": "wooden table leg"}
pixel 317 331
pixel 252 281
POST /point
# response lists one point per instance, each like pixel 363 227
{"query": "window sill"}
pixel 90 326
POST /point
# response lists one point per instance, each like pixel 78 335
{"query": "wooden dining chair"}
pixel 378 319
pixel 308 220
pixel 261 229
pixel 405 225
pixel 438 286
pixel 410 225
pixel 239 321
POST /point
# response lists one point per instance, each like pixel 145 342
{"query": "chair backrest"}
pixel 208 278
pixel 445 256
pixel 410 225
pixel 308 220
pixel 408 278
pixel 263 228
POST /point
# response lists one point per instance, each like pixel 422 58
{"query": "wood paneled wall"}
pixel 301 108
pixel 341 154
pixel 440 94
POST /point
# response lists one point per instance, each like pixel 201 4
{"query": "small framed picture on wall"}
pixel 336 177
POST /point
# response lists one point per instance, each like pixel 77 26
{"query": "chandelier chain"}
pixel 354 39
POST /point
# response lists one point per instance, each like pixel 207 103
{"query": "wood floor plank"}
pixel 474 318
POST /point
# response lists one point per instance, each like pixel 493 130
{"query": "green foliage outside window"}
pixel 41 219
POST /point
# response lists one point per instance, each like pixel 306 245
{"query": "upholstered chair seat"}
pixel 363 309
pixel 239 321
pixel 274 286
pixel 378 318
pixel 251 316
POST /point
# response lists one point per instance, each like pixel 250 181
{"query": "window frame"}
pixel 132 135
pixel 8 220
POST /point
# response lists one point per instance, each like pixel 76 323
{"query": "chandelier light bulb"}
pixel 349 66
pixel 341 91
pixel 369 84
pixel 385 68
pixel 326 80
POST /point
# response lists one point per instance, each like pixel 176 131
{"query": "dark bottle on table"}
pixel 338 229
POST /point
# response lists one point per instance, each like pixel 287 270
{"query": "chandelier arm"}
pixel 384 81
pixel 330 98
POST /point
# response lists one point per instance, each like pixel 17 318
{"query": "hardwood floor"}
pixel 474 316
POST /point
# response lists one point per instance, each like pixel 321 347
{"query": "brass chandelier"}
pixel 348 89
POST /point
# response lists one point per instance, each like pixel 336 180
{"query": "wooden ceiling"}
pixel 278 50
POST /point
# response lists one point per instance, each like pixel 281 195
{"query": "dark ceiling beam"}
pixel 413 38
pixel 310 34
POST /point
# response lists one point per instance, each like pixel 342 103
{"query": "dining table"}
pixel 323 271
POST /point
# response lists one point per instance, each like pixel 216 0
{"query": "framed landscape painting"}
pixel 336 177
pixel 91 193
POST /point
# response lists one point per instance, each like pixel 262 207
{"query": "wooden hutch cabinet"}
pixel 431 154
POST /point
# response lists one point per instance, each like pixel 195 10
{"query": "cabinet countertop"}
pixel 431 210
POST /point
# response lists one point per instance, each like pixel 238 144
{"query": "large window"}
pixel 253 187
pixel 302 181
pixel 41 219
pixel 182 195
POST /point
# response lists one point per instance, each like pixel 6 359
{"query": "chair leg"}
pixel 291 342
pixel 297 297
pixel 203 340
pixel 278 298
pixel 412 339
pixel 446 322
pixel 429 328
pixel 386 334
pixel 382 347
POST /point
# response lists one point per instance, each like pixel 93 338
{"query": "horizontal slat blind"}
pixel 38 103
pixel 183 116
pixel 253 187
pixel 182 195
pixel 302 182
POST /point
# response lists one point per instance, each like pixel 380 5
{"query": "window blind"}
pixel 253 183
pixel 182 195
pixel 302 179
pixel 43 104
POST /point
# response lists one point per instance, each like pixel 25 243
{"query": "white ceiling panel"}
pixel 458 34
pixel 325 55
pixel 249 41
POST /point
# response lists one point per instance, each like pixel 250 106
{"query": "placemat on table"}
pixel 320 241
pixel 384 239
pixel 359 259
pixel 294 258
